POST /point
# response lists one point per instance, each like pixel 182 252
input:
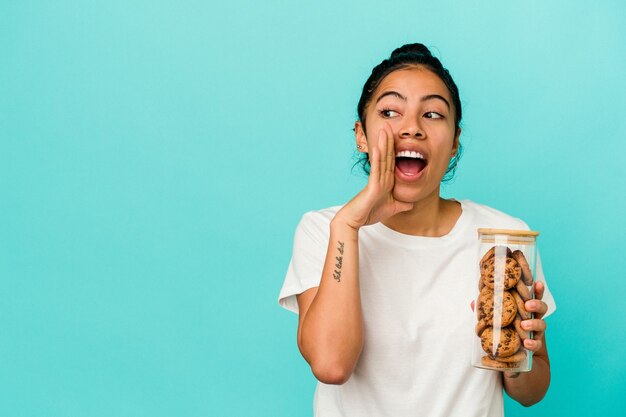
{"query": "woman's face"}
pixel 417 107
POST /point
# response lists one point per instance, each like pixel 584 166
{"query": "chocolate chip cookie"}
pixel 489 304
pixel 517 324
pixel 508 342
pixel 518 356
pixel 488 258
pixel 527 274
pixel 521 309
pixel 509 273
pixel 492 363
pixel 522 290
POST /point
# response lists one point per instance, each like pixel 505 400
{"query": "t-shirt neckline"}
pixel 412 240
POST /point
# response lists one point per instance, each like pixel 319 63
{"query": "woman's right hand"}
pixel 375 202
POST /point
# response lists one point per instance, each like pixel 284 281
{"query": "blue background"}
pixel 156 156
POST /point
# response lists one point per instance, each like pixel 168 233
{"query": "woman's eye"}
pixel 388 113
pixel 433 115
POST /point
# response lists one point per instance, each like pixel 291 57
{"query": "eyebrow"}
pixel 435 96
pixel 391 93
pixel 401 97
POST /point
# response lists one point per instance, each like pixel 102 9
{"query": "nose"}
pixel 411 129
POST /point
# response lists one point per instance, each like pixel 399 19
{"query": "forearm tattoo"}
pixel 339 259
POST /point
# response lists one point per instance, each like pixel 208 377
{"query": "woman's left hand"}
pixel 536 325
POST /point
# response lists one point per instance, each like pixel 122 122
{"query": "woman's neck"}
pixel 431 217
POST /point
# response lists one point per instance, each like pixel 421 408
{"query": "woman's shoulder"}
pixel 316 222
pixel 321 216
pixel 489 217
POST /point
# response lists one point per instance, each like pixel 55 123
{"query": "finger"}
pixel 537 327
pixel 388 180
pixel 536 306
pixel 472 305
pixel 534 325
pixel 382 147
pixel 391 152
pixel 539 290
pixel 374 164
pixel 383 140
pixel 533 344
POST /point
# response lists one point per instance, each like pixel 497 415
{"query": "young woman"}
pixel 383 284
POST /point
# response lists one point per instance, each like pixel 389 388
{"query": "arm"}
pixel 330 328
pixel 529 388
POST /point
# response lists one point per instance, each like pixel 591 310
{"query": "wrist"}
pixel 338 223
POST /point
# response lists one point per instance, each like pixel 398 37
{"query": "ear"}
pixel 455 145
pixel 361 139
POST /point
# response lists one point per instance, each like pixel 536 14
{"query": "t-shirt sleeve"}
pixel 547 295
pixel 307 261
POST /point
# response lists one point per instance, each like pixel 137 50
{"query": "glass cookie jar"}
pixel 506 281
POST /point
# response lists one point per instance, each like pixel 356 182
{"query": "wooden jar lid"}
pixel 508 232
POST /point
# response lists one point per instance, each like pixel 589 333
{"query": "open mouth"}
pixel 410 163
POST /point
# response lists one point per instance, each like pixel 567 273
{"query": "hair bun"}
pixel 411 48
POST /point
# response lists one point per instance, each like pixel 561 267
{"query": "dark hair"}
pixel 414 54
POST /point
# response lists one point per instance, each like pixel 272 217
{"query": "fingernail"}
pixel 526 324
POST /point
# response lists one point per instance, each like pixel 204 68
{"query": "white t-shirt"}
pixel 419 327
